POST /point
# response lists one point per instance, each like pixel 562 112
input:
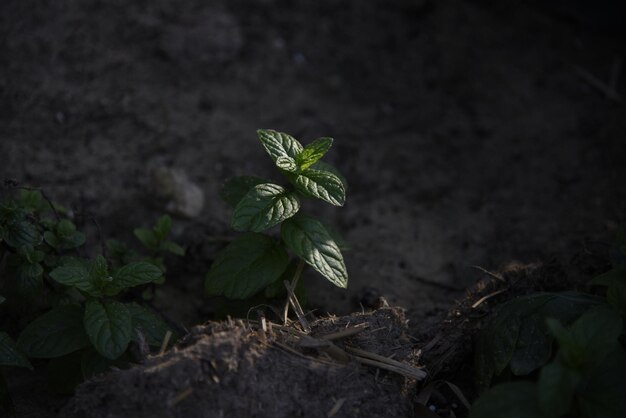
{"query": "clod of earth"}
pixel 352 366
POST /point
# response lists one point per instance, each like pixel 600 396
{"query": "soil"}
pixel 230 370
pixel 471 133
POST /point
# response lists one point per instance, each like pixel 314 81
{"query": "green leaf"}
pixel 313 152
pixel 147 237
pixel 597 332
pixel 31 200
pixel 323 166
pixel 510 400
pixel 120 254
pixel 109 327
pixel 323 185
pixel 66 236
pixel 65 228
pixel 76 274
pixel 10 355
pixel 615 275
pixel 246 266
pixel 277 290
pixel 172 247
pixel 279 144
pixel 310 241
pixel 236 188
pixel 151 325
pixel 604 389
pixel 99 267
pixel 570 352
pixel 590 339
pixel 30 280
pixel 518 335
pixel 533 347
pixel 162 227
pixel 133 274
pixel 55 333
pixel 555 389
pixel 27 252
pixel 504 340
pixel 21 232
pixel 497 341
pixel 37 257
pixel 51 239
pixel 73 241
pixel 264 206
pixel 287 164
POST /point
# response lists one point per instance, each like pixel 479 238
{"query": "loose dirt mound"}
pixel 235 369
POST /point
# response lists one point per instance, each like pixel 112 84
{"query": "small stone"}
pixel 183 197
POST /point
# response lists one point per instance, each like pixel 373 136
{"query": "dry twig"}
pixel 345 333
pixel 386 363
pixel 165 342
pixel 181 396
pixel 489 296
pixel 489 273
pixel 335 409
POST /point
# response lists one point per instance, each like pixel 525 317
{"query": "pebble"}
pixel 184 197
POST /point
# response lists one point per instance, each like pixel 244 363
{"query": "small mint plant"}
pixel 256 260
pixel 557 354
pixel 74 312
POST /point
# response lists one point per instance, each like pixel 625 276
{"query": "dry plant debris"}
pixel 358 365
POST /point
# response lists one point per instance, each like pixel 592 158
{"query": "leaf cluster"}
pixel 582 377
pixel 77 314
pixel 255 261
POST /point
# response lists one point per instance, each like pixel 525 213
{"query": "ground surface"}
pixel 223 370
pixel 465 133
pixel 465 129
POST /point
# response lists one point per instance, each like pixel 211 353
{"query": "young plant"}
pixel 255 261
pixel 69 308
pixel 583 378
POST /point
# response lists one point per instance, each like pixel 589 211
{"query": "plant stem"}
pixel 296 276
pixel 294 283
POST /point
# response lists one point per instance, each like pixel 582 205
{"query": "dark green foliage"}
pixel 254 261
pixel 155 239
pixel 264 206
pixel 10 354
pixel 247 265
pixel 75 320
pixel 518 336
pixel 576 343
pixel 585 378
pixel 109 327
pixel 54 334
pixel 310 241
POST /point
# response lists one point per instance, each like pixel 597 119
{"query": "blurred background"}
pixel 472 133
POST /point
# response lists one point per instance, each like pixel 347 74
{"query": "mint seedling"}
pixel 81 314
pixel 255 260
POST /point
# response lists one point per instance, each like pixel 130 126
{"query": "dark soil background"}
pixel 469 131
